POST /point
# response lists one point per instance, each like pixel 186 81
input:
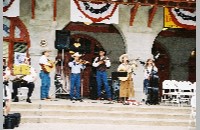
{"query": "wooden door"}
pixel 89 48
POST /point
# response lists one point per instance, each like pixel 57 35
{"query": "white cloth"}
pixel 32 76
pixel 107 62
pixel 76 68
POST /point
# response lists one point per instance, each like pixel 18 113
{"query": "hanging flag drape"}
pixel 183 18
pixel 94 12
pixel 11 8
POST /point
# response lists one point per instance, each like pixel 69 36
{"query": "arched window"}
pixel 15 39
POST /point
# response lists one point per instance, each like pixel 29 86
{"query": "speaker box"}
pixel 62 39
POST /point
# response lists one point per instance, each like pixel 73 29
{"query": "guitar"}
pixel 48 68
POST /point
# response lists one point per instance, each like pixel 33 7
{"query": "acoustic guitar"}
pixel 48 68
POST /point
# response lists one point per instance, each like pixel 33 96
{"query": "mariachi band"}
pixel 77 65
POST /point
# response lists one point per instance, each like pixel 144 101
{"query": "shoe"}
pixel 43 98
pixel 73 98
pixel 98 98
pixel 48 97
pixel 109 99
pixel 81 100
pixel 120 101
pixel 16 99
pixel 28 100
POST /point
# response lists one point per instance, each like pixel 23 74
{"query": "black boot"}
pixel 28 100
pixel 16 99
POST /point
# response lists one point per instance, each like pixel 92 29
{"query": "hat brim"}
pixel 76 55
pixel 122 56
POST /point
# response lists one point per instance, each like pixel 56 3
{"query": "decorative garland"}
pixel 183 18
pixel 96 12
pixel 7 4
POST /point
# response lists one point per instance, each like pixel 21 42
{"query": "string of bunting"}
pixel 96 12
pixel 183 18
pixel 7 4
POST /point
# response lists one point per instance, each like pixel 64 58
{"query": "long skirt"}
pixel 126 88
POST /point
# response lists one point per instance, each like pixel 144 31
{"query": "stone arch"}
pixel 106 36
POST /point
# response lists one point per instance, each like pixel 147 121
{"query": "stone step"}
pixel 104 120
pixel 102 113
pixel 107 107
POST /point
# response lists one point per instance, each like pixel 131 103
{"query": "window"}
pixel 15 38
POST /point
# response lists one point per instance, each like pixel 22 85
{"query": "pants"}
pixel 19 84
pixel 45 84
pixel 152 96
pixel 102 76
pixel 75 85
pixel 146 84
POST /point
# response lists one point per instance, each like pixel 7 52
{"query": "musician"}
pixel 151 80
pixel 102 62
pixel 6 90
pixel 44 75
pixel 25 81
pixel 126 83
pixel 75 77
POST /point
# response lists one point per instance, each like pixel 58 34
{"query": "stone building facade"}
pixel 136 40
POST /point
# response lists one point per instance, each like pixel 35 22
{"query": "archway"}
pixel 162 61
pixel 92 37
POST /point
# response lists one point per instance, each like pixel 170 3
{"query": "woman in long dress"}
pixel 126 83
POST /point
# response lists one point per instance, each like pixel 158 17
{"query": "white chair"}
pixel 169 91
pixel 185 92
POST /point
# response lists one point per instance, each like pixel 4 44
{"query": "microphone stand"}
pixel 61 90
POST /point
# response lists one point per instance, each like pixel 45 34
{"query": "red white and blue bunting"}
pixel 183 18
pixel 11 8
pixel 94 12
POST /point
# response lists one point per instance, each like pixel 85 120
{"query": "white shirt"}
pixel 96 64
pixel 7 73
pixel 76 68
pixel 43 60
pixel 148 70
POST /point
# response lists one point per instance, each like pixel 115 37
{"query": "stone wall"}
pixel 136 40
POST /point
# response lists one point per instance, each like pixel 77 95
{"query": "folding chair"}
pixel 169 91
pixel 185 92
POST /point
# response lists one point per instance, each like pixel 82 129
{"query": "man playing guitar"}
pixel 45 67
pixel 25 81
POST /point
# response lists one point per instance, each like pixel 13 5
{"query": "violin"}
pixel 81 61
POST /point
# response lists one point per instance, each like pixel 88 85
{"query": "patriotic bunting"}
pixel 11 8
pixel 94 12
pixel 183 18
